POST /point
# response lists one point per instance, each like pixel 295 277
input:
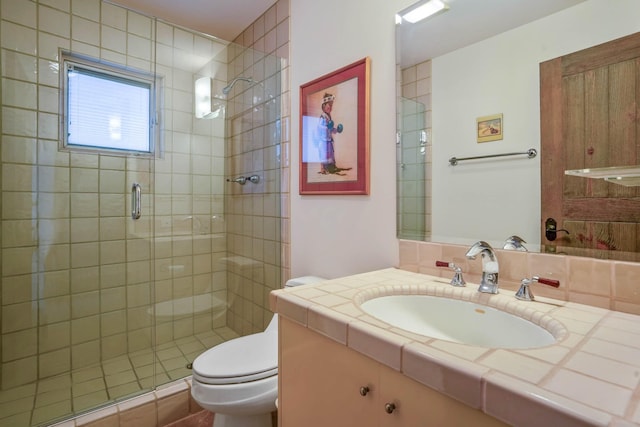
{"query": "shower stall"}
pixel 413 150
pixel 413 154
pixel 97 305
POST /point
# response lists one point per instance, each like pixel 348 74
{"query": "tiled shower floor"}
pixel 59 397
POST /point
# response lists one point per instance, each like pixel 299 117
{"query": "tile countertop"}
pixel 589 377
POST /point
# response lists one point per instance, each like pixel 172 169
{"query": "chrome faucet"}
pixel 515 243
pixel 489 281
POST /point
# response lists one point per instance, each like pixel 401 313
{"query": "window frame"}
pixel 123 74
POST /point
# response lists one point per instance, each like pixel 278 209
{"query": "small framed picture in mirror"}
pixel 489 128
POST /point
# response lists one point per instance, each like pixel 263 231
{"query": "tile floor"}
pixel 59 397
pixel 200 419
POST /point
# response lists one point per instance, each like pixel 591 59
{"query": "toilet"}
pixel 238 379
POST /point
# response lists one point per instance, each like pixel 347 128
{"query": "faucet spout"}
pixel 489 281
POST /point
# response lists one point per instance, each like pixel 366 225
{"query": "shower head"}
pixel 227 88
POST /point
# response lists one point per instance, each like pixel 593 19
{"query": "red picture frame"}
pixel 334 132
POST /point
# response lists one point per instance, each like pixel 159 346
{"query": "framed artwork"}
pixel 489 128
pixel 334 132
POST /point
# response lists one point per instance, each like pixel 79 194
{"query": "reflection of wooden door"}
pixel 590 118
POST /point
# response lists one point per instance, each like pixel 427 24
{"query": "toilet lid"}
pixel 239 360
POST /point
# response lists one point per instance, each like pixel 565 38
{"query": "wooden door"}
pixel 589 118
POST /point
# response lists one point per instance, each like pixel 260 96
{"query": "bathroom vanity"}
pixel 324 383
pixel 340 366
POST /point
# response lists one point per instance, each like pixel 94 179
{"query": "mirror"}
pixel 469 63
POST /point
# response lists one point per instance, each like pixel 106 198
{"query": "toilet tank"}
pixel 304 280
pixel 298 281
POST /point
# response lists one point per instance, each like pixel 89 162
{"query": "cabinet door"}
pixel 320 380
pixel 417 405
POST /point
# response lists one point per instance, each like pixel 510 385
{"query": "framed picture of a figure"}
pixel 334 132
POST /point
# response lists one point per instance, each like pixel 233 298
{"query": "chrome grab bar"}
pixel 136 201
pixel 530 153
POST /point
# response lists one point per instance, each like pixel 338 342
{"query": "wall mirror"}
pixel 482 61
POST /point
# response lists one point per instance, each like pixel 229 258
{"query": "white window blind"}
pixel 105 110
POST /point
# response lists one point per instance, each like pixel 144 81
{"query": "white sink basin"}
pixel 458 321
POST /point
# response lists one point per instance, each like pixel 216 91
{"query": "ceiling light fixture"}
pixel 423 10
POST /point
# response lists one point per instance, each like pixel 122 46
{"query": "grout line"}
pixel 157 370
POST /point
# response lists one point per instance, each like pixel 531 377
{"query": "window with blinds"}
pixel 107 108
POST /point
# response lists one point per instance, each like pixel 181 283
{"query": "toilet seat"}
pixel 240 360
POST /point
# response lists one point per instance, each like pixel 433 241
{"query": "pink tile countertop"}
pixel 589 377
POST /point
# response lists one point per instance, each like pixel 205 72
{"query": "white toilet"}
pixel 238 379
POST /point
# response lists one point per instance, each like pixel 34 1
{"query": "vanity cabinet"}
pixel 324 383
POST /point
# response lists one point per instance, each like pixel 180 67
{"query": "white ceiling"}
pixel 224 19
pixel 466 22
pixel 469 21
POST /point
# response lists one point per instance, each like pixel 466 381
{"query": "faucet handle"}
pixel 457 279
pixel 525 294
pixel 548 282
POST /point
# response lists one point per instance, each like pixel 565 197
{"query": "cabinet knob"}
pixel 389 408
pixel 364 390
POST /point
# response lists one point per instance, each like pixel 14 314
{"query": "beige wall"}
pixel 257 144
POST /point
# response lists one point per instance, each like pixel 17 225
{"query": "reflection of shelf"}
pixel 629 176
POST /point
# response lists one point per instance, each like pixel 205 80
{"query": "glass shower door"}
pixel 77 270
pixel 413 151
pixel 97 306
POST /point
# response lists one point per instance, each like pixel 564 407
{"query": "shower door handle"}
pixel 136 201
